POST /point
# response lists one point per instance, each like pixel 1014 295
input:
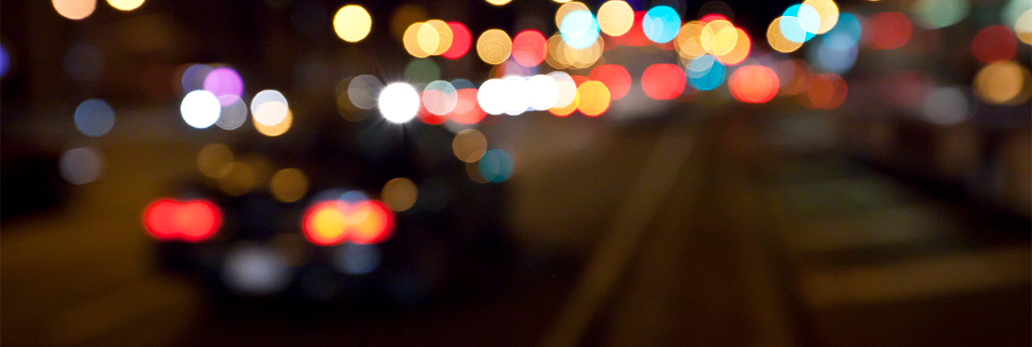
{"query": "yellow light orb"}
pixel 352 23
pixel 469 145
pixel 687 41
pixel 584 58
pixel 498 2
pixel 494 46
pixel 444 36
pixel 556 57
pixel 594 98
pixel 427 38
pixel 565 9
pixel 1023 27
pixel 778 41
pixel 743 46
pixel 212 158
pixel 1003 82
pixel 569 108
pixel 75 9
pixel 275 129
pixel 399 194
pixel 238 179
pixel 718 37
pixel 288 185
pixel 615 17
pixel 828 12
pixel 411 41
pixel 125 5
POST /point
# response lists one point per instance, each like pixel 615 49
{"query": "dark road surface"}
pixel 703 231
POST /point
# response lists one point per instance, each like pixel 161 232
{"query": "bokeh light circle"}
pixel 233 114
pixel 828 14
pixel 200 109
pixel 661 24
pixel 398 102
pixel 81 165
pixel 275 129
pixel 615 77
pixel 706 73
pixel 94 117
pixel 994 43
pixel 399 194
pixel 496 165
pixel 529 48
pixel 363 91
pixel 461 41
pixel 440 97
pixel 615 17
pixel 352 23
pixel 288 185
pixel 125 5
pixel 1002 83
pixel 718 37
pixel 778 41
pixel 663 81
pixel 579 29
pixel 494 46
pixel 224 81
pixel 74 9
pixel 271 114
pixel 542 92
pixel 594 98
pixel 753 84
pixel 888 30
pixel 469 145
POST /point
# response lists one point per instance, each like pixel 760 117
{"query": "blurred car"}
pixel 334 231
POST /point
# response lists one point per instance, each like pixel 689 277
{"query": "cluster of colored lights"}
pixel 335 221
pixel 80 9
pixel 214 96
pixel 801 23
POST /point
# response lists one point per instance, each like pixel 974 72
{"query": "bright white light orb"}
pixel 398 102
pixel 492 96
pixel 273 115
pixel 543 92
pixel 518 95
pixel 200 109
pixel 567 88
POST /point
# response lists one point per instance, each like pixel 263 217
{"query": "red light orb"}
pixel 994 43
pixel 466 110
pixel 827 91
pixel 663 81
pixel 636 36
pixel 426 116
pixel 615 77
pixel 888 30
pixel 461 41
pixel 192 221
pixel 332 222
pixel 753 84
pixel 529 48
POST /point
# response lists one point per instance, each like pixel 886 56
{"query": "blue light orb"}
pixel 845 34
pixel 579 29
pixel 706 72
pixel 661 24
pixel 800 23
pixel 496 165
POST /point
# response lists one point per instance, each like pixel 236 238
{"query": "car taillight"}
pixel 335 221
pixel 193 221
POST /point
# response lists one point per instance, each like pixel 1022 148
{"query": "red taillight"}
pixel 332 222
pixel 194 221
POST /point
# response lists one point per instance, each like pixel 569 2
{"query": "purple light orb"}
pixel 224 81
